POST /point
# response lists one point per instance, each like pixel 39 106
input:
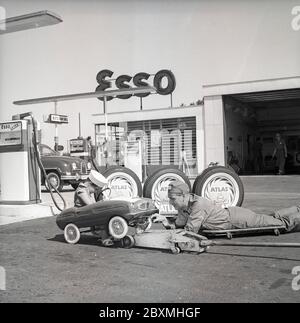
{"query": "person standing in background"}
pixel 280 151
pixel 89 145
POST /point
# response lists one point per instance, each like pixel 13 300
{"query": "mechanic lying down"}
pixel 197 213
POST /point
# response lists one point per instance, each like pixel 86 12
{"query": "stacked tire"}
pixel 123 182
pixel 220 184
pixel 156 186
pixel 216 183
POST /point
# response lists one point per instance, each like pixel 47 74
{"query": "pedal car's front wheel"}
pixel 71 233
pixel 117 227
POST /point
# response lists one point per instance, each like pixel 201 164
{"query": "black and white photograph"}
pixel 149 154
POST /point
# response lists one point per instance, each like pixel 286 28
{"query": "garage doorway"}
pixel 251 122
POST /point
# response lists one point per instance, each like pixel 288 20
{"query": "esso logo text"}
pixel 163 81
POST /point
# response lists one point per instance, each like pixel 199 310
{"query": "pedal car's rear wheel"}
pixel 117 227
pixel 71 233
pixel 128 242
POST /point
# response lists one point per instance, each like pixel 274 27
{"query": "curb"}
pixel 18 213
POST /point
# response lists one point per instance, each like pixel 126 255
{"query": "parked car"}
pixel 63 170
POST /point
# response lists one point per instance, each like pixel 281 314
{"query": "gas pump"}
pixel 79 147
pixel 82 148
pixel 19 171
pixel 20 165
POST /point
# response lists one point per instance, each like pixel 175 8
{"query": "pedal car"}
pixel 112 216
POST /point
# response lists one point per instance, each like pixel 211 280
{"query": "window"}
pixel 47 151
pixel 167 142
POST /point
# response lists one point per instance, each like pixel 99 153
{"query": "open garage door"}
pixel 251 122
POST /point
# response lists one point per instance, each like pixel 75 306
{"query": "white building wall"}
pixel 200 131
pixel 214 130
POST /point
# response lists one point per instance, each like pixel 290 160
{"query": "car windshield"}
pixel 47 151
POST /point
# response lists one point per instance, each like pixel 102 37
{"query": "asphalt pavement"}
pixel 41 267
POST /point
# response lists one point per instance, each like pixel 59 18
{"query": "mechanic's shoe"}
pixel 107 242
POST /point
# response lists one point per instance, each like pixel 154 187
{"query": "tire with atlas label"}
pixel 220 184
pixel 156 185
pixel 123 182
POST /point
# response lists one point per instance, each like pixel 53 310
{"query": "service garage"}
pixel 160 144
pixel 241 114
pixel 223 129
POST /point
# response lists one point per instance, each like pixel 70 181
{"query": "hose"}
pixel 95 164
pixel 94 161
pixel 38 158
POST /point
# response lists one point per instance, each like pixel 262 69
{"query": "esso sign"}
pixel 163 81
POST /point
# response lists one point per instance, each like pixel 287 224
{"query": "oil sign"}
pixel 139 80
pixel 10 133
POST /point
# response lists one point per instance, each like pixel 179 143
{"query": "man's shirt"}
pixel 202 213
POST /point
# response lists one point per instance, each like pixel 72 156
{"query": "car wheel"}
pixel 71 233
pixel 220 184
pixel 55 181
pixel 156 185
pixel 117 227
pixel 123 182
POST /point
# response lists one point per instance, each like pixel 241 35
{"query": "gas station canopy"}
pixel 29 21
pixel 87 95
